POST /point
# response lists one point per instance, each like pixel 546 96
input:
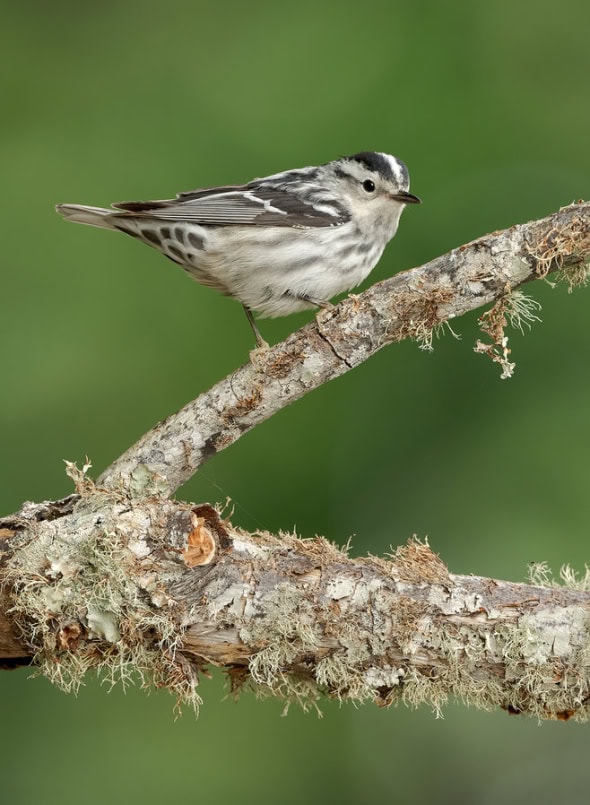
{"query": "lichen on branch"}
pixel 161 591
pixel 412 304
pixel 121 579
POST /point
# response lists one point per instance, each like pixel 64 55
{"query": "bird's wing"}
pixel 241 206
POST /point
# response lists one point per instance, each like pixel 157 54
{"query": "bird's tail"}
pixel 94 216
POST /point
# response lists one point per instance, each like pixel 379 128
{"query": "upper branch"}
pixel 409 304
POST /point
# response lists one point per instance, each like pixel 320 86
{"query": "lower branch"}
pixel 160 589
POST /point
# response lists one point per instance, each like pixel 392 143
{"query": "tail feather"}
pixel 94 216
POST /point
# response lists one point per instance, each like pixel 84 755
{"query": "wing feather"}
pixel 245 205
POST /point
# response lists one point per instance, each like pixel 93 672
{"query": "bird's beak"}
pixel 405 198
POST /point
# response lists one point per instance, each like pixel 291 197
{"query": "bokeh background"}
pixel 488 103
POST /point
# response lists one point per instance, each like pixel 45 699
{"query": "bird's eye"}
pixel 369 186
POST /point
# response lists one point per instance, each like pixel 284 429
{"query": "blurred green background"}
pixel 488 103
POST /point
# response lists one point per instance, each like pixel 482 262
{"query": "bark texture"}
pixel 165 589
pixel 408 305
pixel 120 578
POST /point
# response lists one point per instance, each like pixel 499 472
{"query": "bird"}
pixel 281 243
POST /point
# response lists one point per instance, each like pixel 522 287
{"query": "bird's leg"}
pixel 261 343
pixel 324 304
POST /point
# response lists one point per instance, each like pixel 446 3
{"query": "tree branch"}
pixel 119 578
pixel 408 305
pixel 163 589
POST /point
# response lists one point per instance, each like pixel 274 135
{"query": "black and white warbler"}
pixel 279 244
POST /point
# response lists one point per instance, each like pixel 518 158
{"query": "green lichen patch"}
pixel 81 598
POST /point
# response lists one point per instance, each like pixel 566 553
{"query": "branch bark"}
pixel 118 577
pixel 163 589
pixel 408 305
